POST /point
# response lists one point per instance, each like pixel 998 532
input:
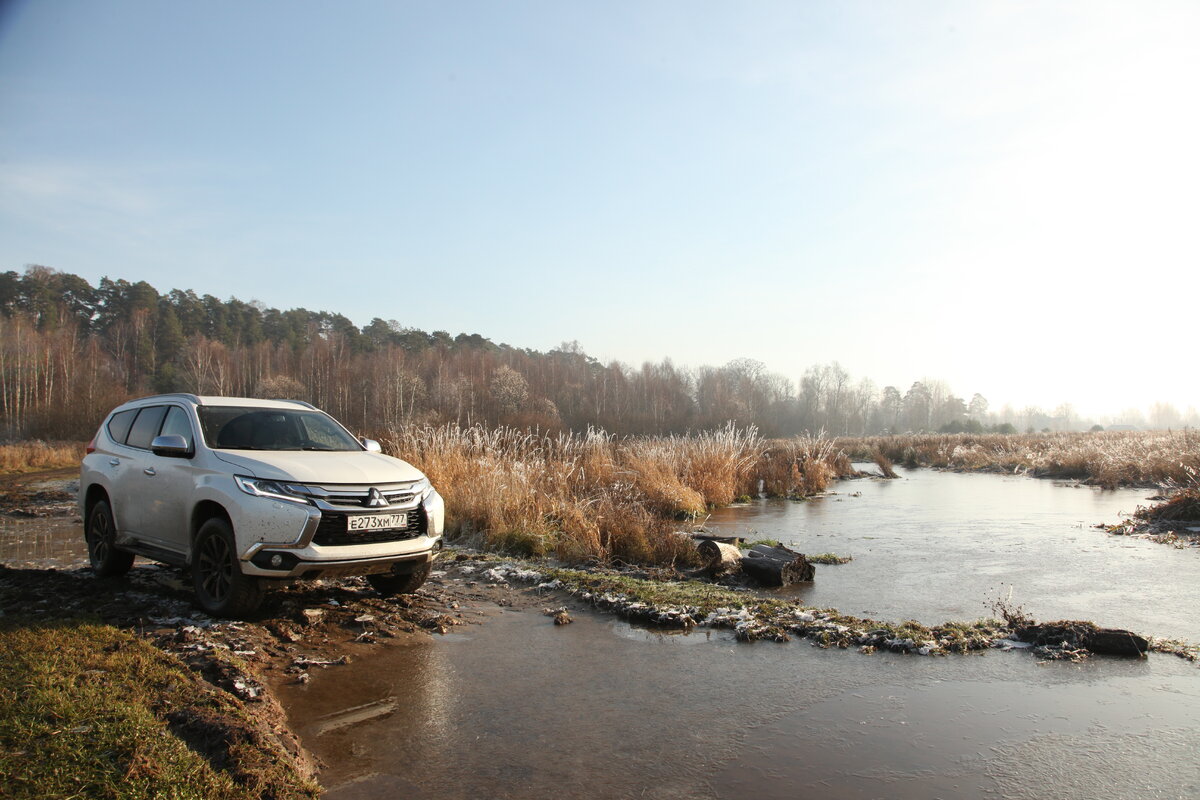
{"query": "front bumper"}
pixel 318 553
pixel 287 565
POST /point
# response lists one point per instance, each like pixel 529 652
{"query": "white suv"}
pixel 247 491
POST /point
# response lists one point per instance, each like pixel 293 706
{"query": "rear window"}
pixel 146 426
pixel 118 426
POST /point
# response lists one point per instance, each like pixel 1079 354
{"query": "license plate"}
pixel 376 522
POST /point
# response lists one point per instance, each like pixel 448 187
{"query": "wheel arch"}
pixel 95 493
pixel 202 513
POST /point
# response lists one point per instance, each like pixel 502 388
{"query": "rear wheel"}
pixel 221 588
pixel 390 583
pixel 100 534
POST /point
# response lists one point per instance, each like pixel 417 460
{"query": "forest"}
pixel 70 351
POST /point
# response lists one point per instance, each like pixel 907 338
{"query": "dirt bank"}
pixel 320 625
pixel 306 627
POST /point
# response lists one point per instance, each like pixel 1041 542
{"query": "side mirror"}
pixel 171 445
pixel 371 445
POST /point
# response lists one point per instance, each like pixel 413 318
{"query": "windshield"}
pixel 235 428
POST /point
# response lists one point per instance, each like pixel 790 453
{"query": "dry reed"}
pixel 592 496
pixel 30 456
pixel 1108 459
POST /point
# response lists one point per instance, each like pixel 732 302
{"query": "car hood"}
pixel 308 466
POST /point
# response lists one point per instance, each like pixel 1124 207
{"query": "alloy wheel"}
pixel 216 568
pixel 101 535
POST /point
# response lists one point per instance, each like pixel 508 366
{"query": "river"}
pixel 518 707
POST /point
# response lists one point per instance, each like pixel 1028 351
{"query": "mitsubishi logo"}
pixel 375 499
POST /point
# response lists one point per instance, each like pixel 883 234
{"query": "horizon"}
pixel 1063 417
pixel 995 196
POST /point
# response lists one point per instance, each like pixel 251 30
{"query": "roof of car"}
pixel 215 400
pixel 250 402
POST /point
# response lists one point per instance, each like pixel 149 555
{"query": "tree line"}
pixel 70 351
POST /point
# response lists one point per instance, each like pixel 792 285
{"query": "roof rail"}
pixel 297 402
pixel 185 395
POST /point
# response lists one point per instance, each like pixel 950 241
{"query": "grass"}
pixel 767 542
pixel 30 456
pixel 829 558
pixel 88 710
pixel 1106 458
pixel 595 497
pixel 884 463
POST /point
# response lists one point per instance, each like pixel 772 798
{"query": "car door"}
pixel 118 464
pixel 170 482
pixel 129 491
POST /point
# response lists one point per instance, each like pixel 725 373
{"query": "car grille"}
pixel 350 496
pixel 331 531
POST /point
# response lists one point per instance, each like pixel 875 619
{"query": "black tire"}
pixel 100 533
pixel 390 583
pixel 221 588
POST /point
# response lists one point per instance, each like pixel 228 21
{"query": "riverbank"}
pixel 176 679
pixel 308 629
pixel 1102 458
pixel 217 679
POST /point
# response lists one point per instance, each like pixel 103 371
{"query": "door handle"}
pixel 114 462
pixel 150 471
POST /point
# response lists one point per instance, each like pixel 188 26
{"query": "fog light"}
pixel 265 559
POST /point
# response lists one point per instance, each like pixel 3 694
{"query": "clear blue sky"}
pixel 1002 195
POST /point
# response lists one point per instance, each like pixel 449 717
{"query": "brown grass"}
pixel 1108 459
pixel 592 496
pixel 1181 507
pixel 30 456
pixel 886 468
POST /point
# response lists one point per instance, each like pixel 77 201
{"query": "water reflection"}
pixel 523 708
pixel 600 709
pixel 42 542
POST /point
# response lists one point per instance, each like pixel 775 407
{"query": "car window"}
pixel 146 426
pixel 118 426
pixel 235 428
pixel 322 434
pixel 177 422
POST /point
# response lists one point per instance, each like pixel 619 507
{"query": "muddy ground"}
pixel 314 625
pixel 307 626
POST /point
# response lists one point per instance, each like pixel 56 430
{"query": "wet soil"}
pixel 302 630
pixel 417 694
pixel 39 494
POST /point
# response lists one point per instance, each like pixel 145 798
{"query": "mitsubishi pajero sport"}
pixel 244 492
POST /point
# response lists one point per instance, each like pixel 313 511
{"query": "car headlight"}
pixel 422 488
pixel 260 487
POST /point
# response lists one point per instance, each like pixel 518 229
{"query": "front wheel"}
pixel 221 588
pixel 100 534
pixel 389 583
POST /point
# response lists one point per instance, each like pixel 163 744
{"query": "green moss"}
pixel 767 542
pixel 829 558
